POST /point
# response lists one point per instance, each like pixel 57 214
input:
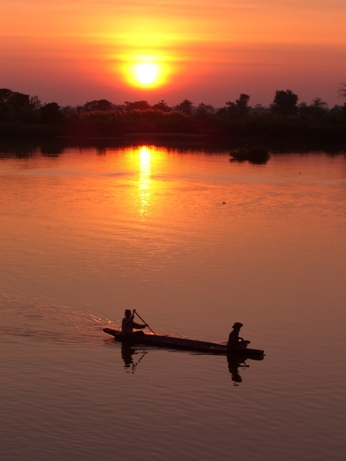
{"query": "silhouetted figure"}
pixel 235 342
pixel 128 324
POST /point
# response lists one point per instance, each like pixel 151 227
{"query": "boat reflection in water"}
pixel 238 361
pixel 128 352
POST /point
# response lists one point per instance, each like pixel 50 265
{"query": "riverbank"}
pixel 54 145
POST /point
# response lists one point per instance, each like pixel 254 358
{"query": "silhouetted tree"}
pixel 239 108
pixel 285 103
pixel 17 106
pixel 242 104
pixel 335 109
pixel 342 90
pixel 204 110
pixel 162 105
pixel 5 95
pixel 50 114
pixel 258 109
pixel 100 104
pixel 185 107
pixel 317 109
pixel 137 105
pixel 317 102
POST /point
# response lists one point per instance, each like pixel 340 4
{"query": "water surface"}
pixel 194 243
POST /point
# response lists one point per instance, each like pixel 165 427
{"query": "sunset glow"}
pixel 72 52
pixel 145 72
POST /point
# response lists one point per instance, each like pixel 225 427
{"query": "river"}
pixel 195 243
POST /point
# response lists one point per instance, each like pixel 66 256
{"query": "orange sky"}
pixel 73 51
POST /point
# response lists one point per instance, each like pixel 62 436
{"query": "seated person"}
pixel 128 324
pixel 235 343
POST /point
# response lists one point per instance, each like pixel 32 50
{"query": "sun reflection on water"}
pixel 144 180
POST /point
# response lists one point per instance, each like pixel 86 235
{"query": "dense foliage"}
pixel 24 115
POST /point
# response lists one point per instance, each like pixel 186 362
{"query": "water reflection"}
pixel 233 366
pixel 144 180
pixel 256 155
pixel 131 362
pixel 127 353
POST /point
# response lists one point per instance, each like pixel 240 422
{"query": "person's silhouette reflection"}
pixel 126 354
pixel 233 366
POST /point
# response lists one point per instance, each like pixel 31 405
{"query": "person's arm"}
pixel 138 326
pixel 243 341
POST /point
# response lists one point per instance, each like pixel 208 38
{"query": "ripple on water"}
pixel 40 321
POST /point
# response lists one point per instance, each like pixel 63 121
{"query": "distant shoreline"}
pixel 53 145
pixel 284 125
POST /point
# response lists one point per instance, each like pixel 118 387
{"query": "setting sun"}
pixel 146 72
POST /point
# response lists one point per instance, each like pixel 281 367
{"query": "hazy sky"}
pixel 73 51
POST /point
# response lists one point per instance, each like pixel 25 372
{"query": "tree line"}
pixel 22 114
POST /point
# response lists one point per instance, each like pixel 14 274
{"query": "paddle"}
pixel 143 321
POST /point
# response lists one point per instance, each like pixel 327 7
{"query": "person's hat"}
pixel 237 325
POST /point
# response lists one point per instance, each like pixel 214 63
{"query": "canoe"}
pixel 171 342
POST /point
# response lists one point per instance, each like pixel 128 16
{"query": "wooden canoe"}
pixel 171 342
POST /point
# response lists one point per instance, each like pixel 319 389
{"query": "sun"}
pixel 146 73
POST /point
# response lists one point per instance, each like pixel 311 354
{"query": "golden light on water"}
pixel 144 180
pixel 144 158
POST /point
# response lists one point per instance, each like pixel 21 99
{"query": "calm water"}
pixel 195 243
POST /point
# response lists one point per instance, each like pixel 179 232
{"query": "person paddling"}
pixel 235 343
pixel 128 324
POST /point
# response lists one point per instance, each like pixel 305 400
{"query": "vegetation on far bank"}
pixel 24 116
